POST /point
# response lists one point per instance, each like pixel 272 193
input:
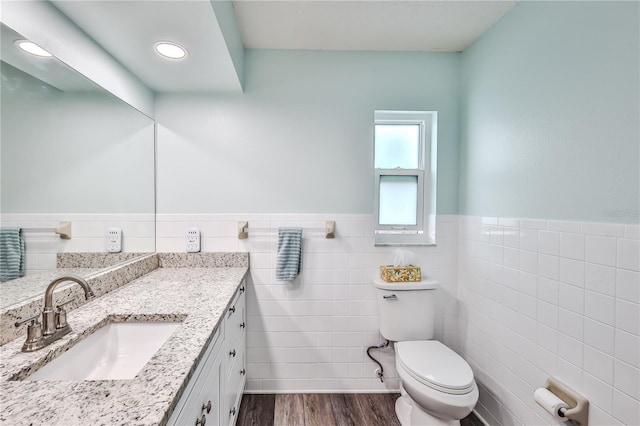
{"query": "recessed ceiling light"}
pixel 171 50
pixel 32 48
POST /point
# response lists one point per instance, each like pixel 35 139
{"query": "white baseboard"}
pixel 484 422
pixel 280 391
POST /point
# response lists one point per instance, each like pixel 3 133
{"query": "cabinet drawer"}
pixel 235 321
pixel 234 386
pixel 235 356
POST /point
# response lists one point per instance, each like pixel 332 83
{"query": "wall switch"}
pixel 193 240
pixel 114 240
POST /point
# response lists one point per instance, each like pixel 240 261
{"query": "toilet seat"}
pixel 434 365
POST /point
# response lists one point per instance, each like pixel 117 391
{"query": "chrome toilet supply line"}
pixel 379 373
pixel 54 322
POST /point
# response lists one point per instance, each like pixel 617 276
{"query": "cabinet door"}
pixel 191 412
pixel 211 395
pixel 189 409
pixel 234 385
pixel 238 378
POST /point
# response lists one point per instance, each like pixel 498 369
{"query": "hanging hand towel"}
pixel 12 254
pixel 289 253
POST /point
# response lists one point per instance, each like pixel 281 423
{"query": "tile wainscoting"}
pixel 543 298
pixel 520 299
pixel 310 335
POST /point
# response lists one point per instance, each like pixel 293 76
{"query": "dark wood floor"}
pixel 323 409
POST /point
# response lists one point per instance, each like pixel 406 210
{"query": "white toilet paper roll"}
pixel 550 402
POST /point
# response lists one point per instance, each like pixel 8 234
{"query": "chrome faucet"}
pixel 49 325
pixel 54 323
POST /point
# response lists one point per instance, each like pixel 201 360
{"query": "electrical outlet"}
pixel 193 240
pixel 114 240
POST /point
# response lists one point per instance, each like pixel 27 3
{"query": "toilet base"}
pixel 403 411
pixel 409 414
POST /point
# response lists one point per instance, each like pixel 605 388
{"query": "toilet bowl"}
pixel 438 384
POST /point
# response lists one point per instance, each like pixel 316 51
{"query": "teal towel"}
pixel 289 253
pixel 12 254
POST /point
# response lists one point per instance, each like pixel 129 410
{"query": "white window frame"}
pixel 423 233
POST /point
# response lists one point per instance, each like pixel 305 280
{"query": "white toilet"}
pixel 437 385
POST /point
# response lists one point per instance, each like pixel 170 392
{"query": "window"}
pixel 405 177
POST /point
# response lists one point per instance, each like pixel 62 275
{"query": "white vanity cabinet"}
pixel 213 394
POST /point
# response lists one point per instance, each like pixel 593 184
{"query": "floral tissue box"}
pixel 400 274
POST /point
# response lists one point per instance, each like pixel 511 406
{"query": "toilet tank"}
pixel 406 310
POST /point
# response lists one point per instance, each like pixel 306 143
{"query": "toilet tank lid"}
pixel 433 363
pixel 417 285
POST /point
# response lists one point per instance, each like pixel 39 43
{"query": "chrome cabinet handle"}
pixel 232 353
pixel 207 407
pixel 243 372
pixel 242 325
pixel 233 411
pixel 242 289
pixel 390 297
pixel 201 421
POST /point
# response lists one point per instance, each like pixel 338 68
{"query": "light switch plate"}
pixel 193 240
pixel 114 240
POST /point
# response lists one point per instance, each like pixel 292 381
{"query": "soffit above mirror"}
pixel 48 70
pixel 128 30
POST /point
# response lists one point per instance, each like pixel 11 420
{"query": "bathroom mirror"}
pixel 70 151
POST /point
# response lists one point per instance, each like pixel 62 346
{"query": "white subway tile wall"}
pixel 310 335
pixel 551 298
pixel 521 299
pixel 88 234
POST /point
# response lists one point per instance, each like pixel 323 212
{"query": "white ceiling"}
pixel 127 29
pixel 391 25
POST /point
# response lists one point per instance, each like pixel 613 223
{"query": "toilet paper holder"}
pixel 578 410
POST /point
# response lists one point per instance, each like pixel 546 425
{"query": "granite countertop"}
pixel 197 296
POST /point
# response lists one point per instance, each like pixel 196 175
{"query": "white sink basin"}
pixel 117 351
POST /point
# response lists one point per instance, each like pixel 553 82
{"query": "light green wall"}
pixel 550 114
pixel 300 139
pixel 72 151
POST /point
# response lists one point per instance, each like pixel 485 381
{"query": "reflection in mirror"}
pixel 70 151
pixel 86 265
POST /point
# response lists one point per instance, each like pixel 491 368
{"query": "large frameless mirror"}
pixel 70 151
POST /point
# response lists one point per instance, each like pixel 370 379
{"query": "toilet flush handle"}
pixel 390 297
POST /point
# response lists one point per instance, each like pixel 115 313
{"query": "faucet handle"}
pixel 61 306
pixel 34 340
pixel 33 319
pixel 61 315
